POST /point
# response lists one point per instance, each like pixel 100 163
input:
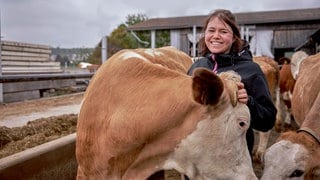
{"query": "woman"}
pixel 222 50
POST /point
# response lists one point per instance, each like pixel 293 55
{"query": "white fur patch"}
pixel 130 54
pixel 149 51
pixel 283 158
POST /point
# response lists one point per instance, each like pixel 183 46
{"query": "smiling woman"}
pixel 223 50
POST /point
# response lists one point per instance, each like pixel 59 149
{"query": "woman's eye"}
pixel 297 173
pixel 224 32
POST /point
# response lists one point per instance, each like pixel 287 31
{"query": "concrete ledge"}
pixel 53 160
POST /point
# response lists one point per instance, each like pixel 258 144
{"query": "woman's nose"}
pixel 216 34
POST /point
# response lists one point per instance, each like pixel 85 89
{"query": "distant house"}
pixel 270 33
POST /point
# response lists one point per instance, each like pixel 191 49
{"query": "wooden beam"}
pixel 19 96
pixel 26 54
pixel 21 44
pixel 37 85
pixel 30 63
pixel 22 58
pixel 26 49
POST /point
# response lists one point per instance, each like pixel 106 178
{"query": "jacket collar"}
pixel 229 59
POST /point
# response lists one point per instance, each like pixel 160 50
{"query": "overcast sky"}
pixel 82 23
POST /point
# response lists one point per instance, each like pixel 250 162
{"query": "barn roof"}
pixel 261 17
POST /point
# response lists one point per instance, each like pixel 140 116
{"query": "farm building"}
pixel 270 33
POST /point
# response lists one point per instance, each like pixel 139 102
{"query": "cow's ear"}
pixel 207 86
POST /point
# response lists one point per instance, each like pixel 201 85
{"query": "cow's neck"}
pixel 310 133
pixel 311 123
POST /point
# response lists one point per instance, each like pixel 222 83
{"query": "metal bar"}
pixel 153 39
pixel 104 49
pixel 194 43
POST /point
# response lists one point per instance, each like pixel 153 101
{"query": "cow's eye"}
pixel 242 124
pixel 297 173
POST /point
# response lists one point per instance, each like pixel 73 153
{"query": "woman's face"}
pixel 218 37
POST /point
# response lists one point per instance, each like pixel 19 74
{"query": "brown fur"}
pixel 306 89
pixel 286 82
pixel 271 71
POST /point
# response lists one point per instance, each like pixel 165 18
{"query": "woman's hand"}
pixel 242 93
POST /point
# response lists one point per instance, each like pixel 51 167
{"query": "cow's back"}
pixel 307 87
pixel 168 57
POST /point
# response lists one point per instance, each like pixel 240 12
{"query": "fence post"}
pixel 104 49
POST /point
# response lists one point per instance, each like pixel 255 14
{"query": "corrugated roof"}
pixel 261 17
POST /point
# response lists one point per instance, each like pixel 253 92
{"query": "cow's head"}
pixel 220 134
pixel 293 157
pixel 296 60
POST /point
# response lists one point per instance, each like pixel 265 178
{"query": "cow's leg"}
pixel 278 123
pixel 262 145
pixel 287 96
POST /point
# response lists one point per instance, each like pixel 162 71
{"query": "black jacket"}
pixel 262 110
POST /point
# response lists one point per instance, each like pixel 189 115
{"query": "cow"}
pixel 286 85
pixel 296 60
pixel 142 113
pixel 296 154
pixel 288 75
pixel 270 69
pixel 91 67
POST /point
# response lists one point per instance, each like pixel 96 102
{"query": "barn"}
pixel 271 33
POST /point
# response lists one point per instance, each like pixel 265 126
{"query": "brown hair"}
pixel 227 17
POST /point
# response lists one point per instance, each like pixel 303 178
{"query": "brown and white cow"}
pixel 89 66
pixel 296 60
pixel 288 75
pixel 141 114
pixel 286 85
pixel 270 69
pixel 296 155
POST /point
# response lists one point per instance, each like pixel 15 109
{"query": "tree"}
pixel 95 57
pixel 142 35
pixel 122 38
pixel 134 19
pixel 162 38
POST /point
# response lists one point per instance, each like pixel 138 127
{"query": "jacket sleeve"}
pixel 262 109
